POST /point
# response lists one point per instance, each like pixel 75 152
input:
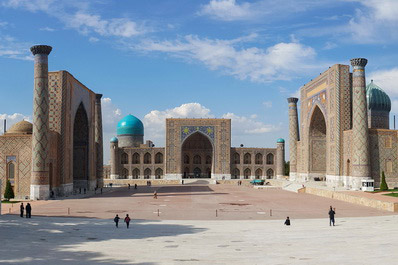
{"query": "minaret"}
pixel 114 158
pixel 98 141
pixel 293 137
pixel 280 158
pixel 360 137
pixel 40 188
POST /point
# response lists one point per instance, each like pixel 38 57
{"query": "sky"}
pixel 159 59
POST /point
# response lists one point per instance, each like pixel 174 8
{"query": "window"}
pixel 136 173
pixel 159 158
pixel 236 158
pixel 389 166
pixel 147 173
pixel 147 158
pixel 270 159
pixel 136 158
pixel 259 173
pixel 159 173
pixel 247 173
pixel 247 159
pixel 125 173
pixel 236 173
pixel 11 172
pixel 125 158
pixel 197 160
pixel 270 173
pixel 259 159
pixel 208 160
pixel 186 159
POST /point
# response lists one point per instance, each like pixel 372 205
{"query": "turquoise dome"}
pixel 280 140
pixel 130 125
pixel 376 98
pixel 114 140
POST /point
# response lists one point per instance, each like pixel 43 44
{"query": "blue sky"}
pixel 210 58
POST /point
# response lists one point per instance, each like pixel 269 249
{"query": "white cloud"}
pixel 376 21
pixel 267 104
pixel 387 80
pixel 227 10
pixel 281 61
pixel 93 39
pixel 11 48
pixel 47 29
pixel 12 119
pixel 242 125
pixel 76 16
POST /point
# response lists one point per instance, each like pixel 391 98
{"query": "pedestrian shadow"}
pixel 44 240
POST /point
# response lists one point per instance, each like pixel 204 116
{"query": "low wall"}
pixel 381 205
pixel 140 182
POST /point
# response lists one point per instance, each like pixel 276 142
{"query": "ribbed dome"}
pixel 130 125
pixel 280 140
pixel 22 127
pixel 114 140
pixel 376 98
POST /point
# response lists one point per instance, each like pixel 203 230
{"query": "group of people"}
pixel 239 183
pixel 28 210
pixel 135 185
pixel 332 212
pixel 126 220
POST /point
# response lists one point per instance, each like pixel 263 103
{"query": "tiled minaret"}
pixel 98 140
pixel 293 137
pixel 280 158
pixel 114 158
pixel 40 188
pixel 360 137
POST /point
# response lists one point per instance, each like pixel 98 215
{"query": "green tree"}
pixel 383 184
pixel 287 168
pixel 9 192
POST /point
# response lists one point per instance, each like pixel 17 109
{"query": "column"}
pixel 293 137
pixel 114 158
pixel 280 158
pixel 40 188
pixel 360 137
pixel 99 141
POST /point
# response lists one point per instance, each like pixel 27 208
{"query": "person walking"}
pixel 155 195
pixel 28 211
pixel 287 222
pixel 116 220
pixel 135 186
pixel 127 220
pixel 332 212
pixel 22 208
pixel 129 185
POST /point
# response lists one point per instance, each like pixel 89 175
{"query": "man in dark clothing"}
pixel 135 186
pixel 129 185
pixel 28 210
pixel 287 222
pixel 116 219
pixel 331 216
pixel 22 208
pixel 127 220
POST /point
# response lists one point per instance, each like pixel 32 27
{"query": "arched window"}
pixel 197 160
pixel 147 158
pixel 186 159
pixel 208 172
pixel 270 159
pixel 136 158
pixel 247 159
pixel 159 173
pixel 270 173
pixel 125 173
pixel 159 158
pixel 136 173
pixel 247 173
pixel 259 173
pixel 389 166
pixel 125 158
pixel 208 160
pixel 348 167
pixel 11 172
pixel 147 173
pixel 236 173
pixel 259 159
pixel 197 172
pixel 186 172
pixel 236 158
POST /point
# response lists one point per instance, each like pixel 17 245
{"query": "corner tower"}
pixel 39 188
pixel 280 158
pixel 361 156
pixel 293 137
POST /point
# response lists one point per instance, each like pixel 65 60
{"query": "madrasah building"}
pixel 343 136
pixel 195 148
pixel 61 152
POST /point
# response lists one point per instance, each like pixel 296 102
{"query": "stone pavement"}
pixel 52 240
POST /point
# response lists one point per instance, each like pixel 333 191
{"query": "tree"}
pixel 9 192
pixel 383 184
pixel 287 168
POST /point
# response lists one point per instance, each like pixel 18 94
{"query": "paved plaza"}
pixel 54 240
pixel 199 202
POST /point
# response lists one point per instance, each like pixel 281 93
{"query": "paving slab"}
pixel 52 240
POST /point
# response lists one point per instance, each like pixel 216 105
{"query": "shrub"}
pixel 383 184
pixel 9 192
pixel 287 168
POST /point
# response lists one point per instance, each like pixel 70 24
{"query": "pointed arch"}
pixel 270 173
pixel 147 173
pixel 247 159
pixel 259 159
pixel 136 158
pixel 136 173
pixel 270 159
pixel 147 158
pixel 159 158
pixel 259 173
pixel 247 173
pixel 125 158
pixel 80 148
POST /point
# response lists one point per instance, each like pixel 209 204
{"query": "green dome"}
pixel 376 98
pixel 130 125
pixel 114 140
pixel 280 140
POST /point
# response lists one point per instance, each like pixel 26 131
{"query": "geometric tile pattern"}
pixel 293 133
